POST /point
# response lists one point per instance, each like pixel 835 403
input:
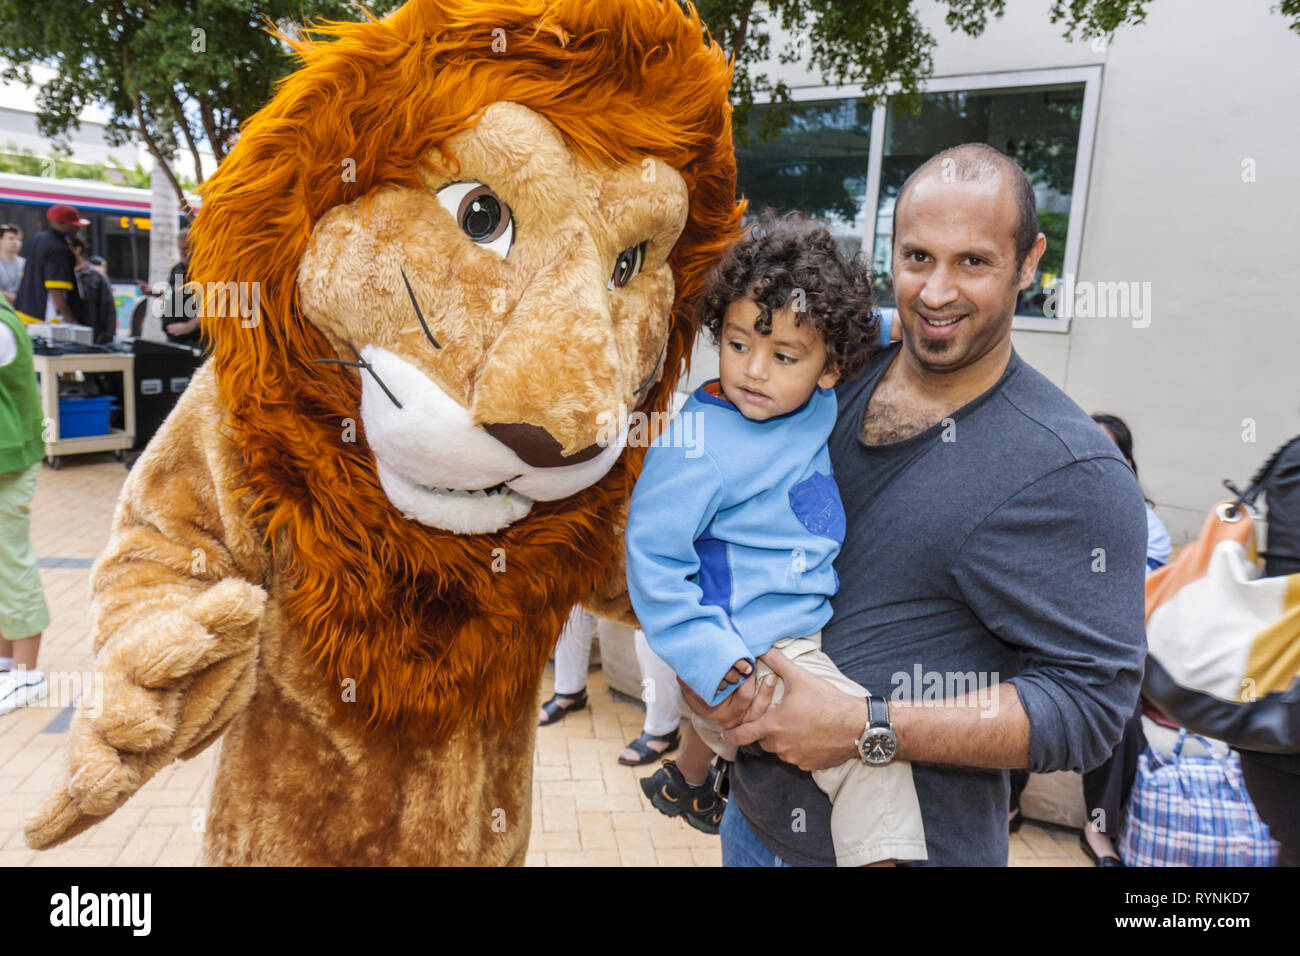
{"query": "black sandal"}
pixel 647 754
pixel 672 796
pixel 555 711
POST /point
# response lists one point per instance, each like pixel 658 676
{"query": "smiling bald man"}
pixel 991 595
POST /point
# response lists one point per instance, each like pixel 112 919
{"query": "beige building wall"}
pixel 1193 103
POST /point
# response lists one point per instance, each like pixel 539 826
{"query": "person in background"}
pixel 1158 544
pixel 185 331
pixel 174 302
pixel 23 611
pixel 49 286
pixel 660 735
pixel 11 263
pixel 96 294
pixel 1273 780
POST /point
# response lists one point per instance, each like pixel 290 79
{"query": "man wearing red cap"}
pixel 49 288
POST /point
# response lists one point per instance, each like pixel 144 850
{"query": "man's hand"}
pixel 814 725
pixel 182 328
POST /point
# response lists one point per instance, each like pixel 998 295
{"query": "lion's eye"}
pixel 628 265
pixel 481 214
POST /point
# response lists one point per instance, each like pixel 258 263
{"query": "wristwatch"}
pixel 878 742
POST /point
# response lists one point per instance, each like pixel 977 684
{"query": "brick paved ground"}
pixel 587 809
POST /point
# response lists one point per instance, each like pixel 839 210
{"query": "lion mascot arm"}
pixel 610 599
pixel 175 615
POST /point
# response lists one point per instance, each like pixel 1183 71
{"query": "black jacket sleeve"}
pixel 1282 493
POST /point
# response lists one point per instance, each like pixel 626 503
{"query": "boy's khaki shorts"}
pixel 874 811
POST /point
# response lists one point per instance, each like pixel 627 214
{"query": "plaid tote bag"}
pixel 1193 810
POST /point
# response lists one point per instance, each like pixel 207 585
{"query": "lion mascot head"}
pixel 477 231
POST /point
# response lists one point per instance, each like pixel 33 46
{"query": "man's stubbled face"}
pixel 956 278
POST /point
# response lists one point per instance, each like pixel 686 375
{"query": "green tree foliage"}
pixel 171 73
pixel 176 73
pixel 1291 8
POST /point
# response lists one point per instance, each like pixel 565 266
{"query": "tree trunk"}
pixel 144 134
pixel 210 127
pixel 157 153
pixel 189 137
pixel 742 27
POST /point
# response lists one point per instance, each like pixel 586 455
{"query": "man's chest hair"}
pixel 892 416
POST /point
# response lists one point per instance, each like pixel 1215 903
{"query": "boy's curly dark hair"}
pixel 782 254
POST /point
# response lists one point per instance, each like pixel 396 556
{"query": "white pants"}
pixel 659 688
pixel 573 652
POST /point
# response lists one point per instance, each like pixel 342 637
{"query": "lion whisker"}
pixel 418 314
pixel 360 363
pixel 649 378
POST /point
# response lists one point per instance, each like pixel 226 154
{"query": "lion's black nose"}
pixel 536 447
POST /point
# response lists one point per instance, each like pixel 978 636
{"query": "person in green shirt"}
pixel 23 612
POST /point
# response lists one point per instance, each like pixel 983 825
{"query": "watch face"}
pixel 879 746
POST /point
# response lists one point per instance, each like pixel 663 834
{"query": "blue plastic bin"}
pixel 85 417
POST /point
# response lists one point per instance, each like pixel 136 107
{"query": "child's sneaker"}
pixel 672 795
pixel 17 691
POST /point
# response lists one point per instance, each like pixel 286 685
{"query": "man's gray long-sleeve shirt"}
pixel 1007 543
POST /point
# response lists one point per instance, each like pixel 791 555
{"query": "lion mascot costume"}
pixel 477 231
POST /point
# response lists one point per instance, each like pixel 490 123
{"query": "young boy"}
pixel 731 538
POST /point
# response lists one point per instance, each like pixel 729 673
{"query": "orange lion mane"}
pixel 417 617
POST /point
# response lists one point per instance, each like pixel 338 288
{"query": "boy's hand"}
pixel 736 709
pixel 739 671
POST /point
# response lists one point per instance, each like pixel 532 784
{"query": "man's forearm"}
pixel 816 723
pixel 60 299
pixel 991 733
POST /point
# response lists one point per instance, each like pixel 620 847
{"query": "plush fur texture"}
pixel 375 677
